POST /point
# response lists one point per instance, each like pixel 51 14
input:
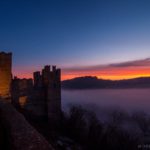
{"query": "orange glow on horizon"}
pixel 105 77
pixel 110 73
pixel 23 75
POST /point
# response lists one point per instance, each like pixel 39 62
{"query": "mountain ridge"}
pixel 92 82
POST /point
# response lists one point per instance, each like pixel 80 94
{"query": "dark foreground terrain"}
pixel 79 129
pixel 16 133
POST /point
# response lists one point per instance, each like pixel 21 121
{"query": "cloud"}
pixel 134 63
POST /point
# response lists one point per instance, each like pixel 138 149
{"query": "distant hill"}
pixel 90 82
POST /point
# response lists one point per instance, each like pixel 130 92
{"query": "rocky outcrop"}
pixel 21 135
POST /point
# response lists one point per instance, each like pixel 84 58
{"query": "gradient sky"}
pixel 77 36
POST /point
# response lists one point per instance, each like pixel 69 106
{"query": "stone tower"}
pixel 5 75
pixel 51 80
pixel 48 84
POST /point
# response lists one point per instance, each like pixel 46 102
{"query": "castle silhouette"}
pixel 40 97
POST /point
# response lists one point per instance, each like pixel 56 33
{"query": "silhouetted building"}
pixel 39 97
pixel 47 91
pixel 52 86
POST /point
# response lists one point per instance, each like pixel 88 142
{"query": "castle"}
pixel 40 97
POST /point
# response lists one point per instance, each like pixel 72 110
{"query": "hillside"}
pixel 90 82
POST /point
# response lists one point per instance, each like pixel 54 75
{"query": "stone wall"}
pixel 54 96
pixel 47 92
pixel 40 97
pixel 5 74
pixel 22 91
pixel 21 135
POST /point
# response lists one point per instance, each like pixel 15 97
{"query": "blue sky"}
pixel 72 33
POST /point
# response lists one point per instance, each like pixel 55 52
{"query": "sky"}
pixel 109 39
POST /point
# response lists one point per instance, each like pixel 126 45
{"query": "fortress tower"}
pixel 5 75
pixel 48 84
pixel 52 84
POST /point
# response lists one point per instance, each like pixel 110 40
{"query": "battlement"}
pixel 46 76
pixel 49 68
pixel 4 53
